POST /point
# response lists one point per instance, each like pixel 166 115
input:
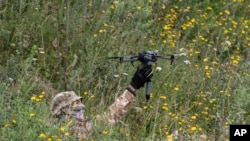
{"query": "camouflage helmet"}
pixel 61 100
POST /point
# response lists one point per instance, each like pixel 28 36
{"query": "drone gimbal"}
pixel 146 58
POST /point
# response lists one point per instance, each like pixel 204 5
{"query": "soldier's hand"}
pixel 141 76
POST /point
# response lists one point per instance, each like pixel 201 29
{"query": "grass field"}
pixel 51 46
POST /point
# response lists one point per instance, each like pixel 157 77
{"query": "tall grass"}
pixel 51 46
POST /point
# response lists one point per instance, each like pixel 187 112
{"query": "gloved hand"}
pixel 141 76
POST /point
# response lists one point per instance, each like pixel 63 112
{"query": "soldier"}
pixel 68 104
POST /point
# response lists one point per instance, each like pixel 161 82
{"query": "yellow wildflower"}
pixel 227 12
pixel 13 121
pixel 170 138
pixel 112 6
pixel 193 117
pixel 6 125
pixel 66 134
pixel 37 99
pixel 176 88
pixel 193 128
pixel 206 67
pixel 104 132
pixel 163 7
pixel 41 96
pixel 62 129
pixel 32 114
pixel 42 135
pixel 205 59
pixel 209 8
pixel 163 97
pixel 33 98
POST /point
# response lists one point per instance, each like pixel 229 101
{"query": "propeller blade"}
pixel 114 57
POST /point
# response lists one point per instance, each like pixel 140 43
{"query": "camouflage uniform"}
pixel 60 108
pixel 82 129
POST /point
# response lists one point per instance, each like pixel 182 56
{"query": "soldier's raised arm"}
pixel 122 104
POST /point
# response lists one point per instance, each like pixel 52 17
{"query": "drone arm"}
pixel 167 58
pixel 163 57
pixel 128 60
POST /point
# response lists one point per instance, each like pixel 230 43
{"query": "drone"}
pixel 146 58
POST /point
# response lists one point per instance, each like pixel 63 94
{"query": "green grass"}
pixel 51 46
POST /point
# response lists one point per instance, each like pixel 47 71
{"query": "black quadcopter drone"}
pixel 146 58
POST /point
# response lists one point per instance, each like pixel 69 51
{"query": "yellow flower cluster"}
pixel 188 24
pixel 170 34
pixel 103 29
pixel 62 129
pixel 38 98
pixel 48 137
pixel 165 107
pixel 235 59
pixel 208 70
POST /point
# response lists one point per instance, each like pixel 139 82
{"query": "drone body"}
pixel 144 57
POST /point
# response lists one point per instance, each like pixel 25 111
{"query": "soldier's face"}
pixel 78 109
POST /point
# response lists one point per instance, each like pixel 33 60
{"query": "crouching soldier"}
pixel 68 104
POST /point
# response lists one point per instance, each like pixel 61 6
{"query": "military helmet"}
pixel 61 100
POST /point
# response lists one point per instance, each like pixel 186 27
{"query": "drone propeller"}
pixel 120 58
pixel 114 57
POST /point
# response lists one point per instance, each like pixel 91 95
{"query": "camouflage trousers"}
pixel 116 111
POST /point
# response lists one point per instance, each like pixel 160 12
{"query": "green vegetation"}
pixel 51 46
